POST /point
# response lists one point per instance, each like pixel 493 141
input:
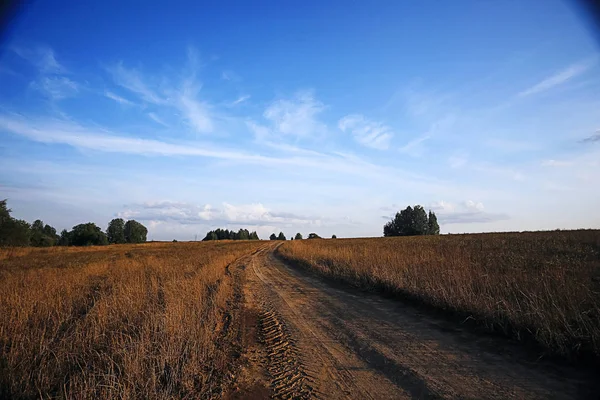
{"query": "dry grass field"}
pixel 543 286
pixel 177 320
pixel 154 321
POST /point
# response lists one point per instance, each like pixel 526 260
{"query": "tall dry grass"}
pixel 543 286
pixel 131 321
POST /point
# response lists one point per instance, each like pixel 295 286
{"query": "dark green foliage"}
pixel 87 235
pixel 412 222
pixel 43 235
pixel 116 231
pixel 333 237
pixel 281 236
pixel 226 234
pixel 433 227
pixel 313 236
pixel 20 233
pixel 135 232
pixel 65 238
pixel 13 232
pixel 298 236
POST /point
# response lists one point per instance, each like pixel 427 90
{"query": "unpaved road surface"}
pixel 309 339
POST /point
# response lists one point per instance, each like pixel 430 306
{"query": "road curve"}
pixel 321 341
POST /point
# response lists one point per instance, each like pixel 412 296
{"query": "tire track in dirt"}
pixel 331 371
pixel 288 378
pixel 348 344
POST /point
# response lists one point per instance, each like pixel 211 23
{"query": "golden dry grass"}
pixel 538 285
pixel 129 321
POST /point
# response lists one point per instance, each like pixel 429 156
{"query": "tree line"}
pixel 412 222
pixel 298 236
pixel 17 232
pixel 226 234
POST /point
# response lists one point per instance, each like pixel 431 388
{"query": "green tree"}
pixel 254 236
pixel 37 233
pixel 135 232
pixel 43 235
pixel 116 231
pixel 419 221
pixel 65 238
pixel 20 233
pixel 50 232
pixel 13 232
pixel 409 222
pixel 433 227
pixel 313 236
pixel 298 236
pixel 272 237
pixel 87 234
pixel 243 234
pixel 281 236
pixel 333 237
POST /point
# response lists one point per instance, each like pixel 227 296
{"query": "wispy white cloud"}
pixel 190 214
pixel 157 119
pixel 240 99
pixel 366 132
pixel 297 116
pixel 229 75
pixel 72 134
pixel 66 132
pixel 131 80
pixel 43 58
pixel 467 212
pixel 413 147
pixel 261 132
pixel 558 78
pixel 56 88
pixel 183 98
pixel 196 112
pixel 117 98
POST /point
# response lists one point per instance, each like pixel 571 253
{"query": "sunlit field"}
pixel 157 320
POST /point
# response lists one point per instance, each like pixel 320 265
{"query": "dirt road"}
pixel 310 339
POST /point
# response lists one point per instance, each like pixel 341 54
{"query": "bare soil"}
pixel 305 338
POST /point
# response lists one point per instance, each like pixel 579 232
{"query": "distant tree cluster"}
pixel 281 236
pixel 226 234
pixel 412 222
pixel 14 232
pixel 298 236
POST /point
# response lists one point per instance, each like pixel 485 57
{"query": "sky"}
pixel 310 116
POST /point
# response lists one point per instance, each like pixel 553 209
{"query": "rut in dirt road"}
pixel 340 343
pixel 289 379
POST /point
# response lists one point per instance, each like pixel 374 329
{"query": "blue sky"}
pixel 300 117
